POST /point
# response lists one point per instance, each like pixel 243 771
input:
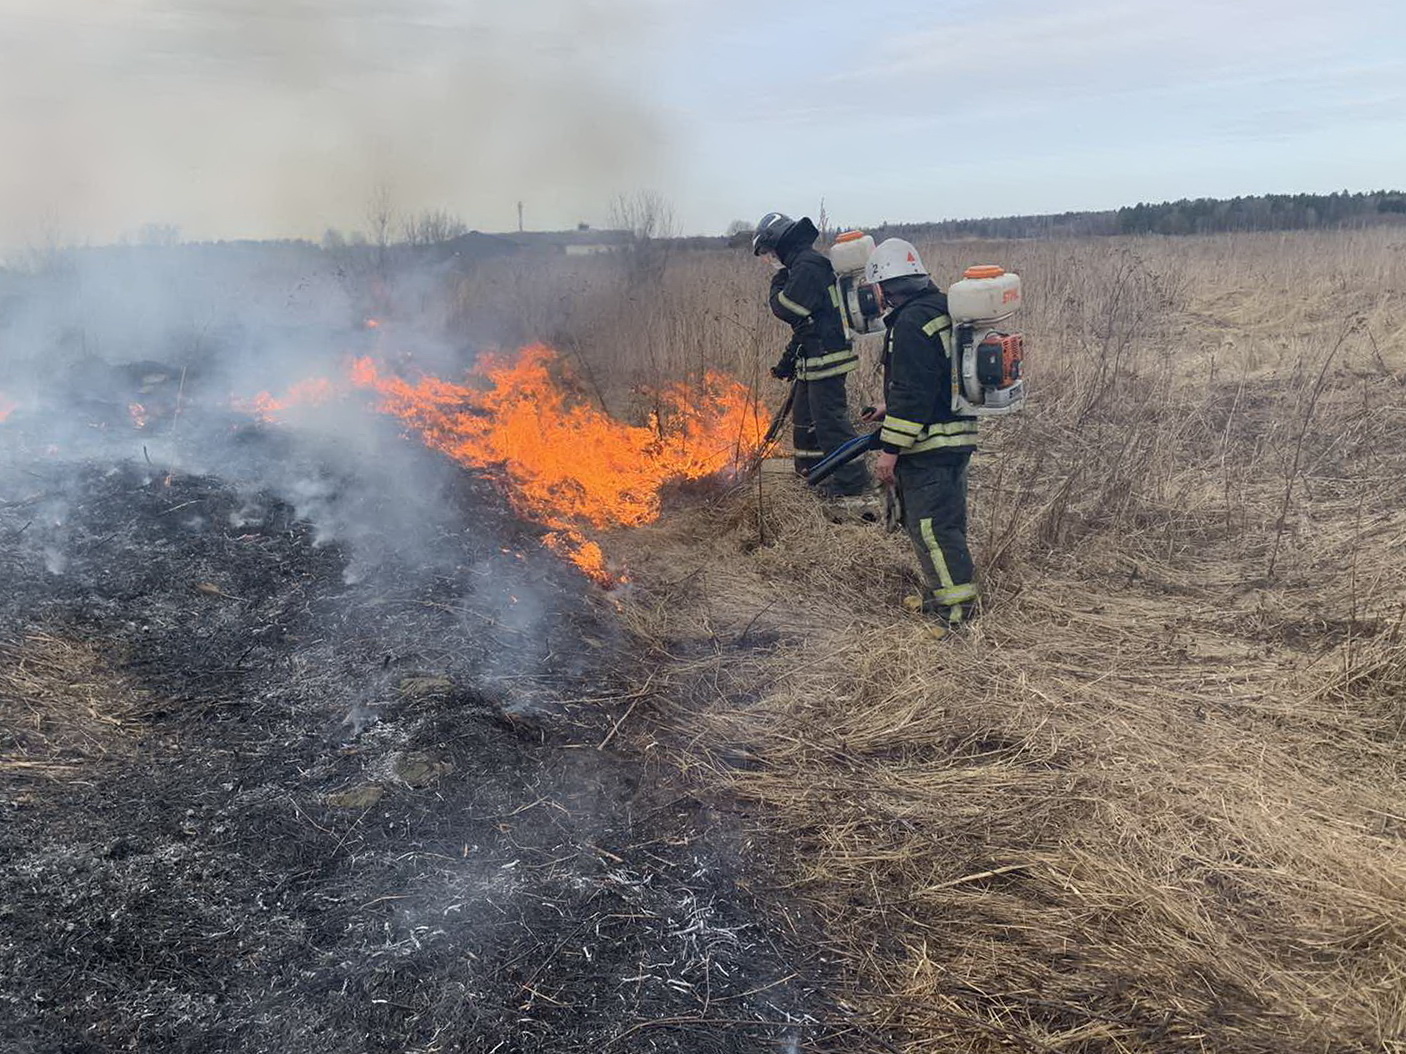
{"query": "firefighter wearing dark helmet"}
pixel 819 355
pixel 926 447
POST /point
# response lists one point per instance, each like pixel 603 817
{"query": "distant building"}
pixel 474 247
pixel 581 242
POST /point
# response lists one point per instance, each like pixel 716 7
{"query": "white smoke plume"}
pixel 274 118
pixel 186 335
pixel 278 118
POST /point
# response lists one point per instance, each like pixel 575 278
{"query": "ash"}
pixel 321 795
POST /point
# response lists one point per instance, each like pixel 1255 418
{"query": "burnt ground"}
pixel 293 808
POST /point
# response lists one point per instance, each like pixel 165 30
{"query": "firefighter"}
pixel 925 446
pixel 819 356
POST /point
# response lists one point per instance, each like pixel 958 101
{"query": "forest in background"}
pixel 1263 212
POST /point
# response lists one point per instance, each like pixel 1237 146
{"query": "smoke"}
pixel 265 118
pixel 180 338
pixel 261 118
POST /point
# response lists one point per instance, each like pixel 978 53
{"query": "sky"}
pixel 269 118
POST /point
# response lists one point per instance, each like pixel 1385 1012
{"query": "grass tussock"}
pixel 1154 801
pixel 60 709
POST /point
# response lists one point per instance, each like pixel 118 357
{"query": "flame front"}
pixel 570 467
pixel 310 392
pixel 573 467
pixel 7 406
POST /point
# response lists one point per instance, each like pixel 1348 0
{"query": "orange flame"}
pixel 7 406
pixel 573 467
pixel 310 392
pixel 138 414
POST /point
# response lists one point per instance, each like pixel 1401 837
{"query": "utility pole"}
pixel 519 217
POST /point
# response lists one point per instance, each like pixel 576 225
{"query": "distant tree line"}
pixel 1265 212
pixel 1064 224
pixel 1268 212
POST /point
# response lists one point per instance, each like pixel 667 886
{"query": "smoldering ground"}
pixel 302 725
pixel 156 355
pixel 301 728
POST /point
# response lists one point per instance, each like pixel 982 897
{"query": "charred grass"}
pixel 1154 800
pixel 254 803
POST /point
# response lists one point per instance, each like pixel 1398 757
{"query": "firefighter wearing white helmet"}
pixel 925 446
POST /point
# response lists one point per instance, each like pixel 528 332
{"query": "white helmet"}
pixel 894 258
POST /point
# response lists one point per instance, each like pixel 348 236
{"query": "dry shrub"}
pixel 702 312
pixel 1154 800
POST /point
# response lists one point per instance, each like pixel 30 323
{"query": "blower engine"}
pixel 986 362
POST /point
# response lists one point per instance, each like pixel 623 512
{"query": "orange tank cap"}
pixel 849 236
pixel 984 271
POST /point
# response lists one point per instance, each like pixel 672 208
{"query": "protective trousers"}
pixel 933 490
pixel 820 418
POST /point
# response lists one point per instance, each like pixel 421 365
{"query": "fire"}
pixel 310 392
pixel 572 467
pixel 7 406
pixel 138 414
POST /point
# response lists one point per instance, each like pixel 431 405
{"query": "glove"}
pixel 785 367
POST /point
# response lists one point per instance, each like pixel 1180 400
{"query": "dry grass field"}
pixel 1156 800
pixel 1152 802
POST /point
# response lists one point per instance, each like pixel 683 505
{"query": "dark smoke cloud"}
pixel 261 118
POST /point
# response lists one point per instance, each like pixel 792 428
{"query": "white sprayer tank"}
pixel 984 294
pixel 851 252
pixel 858 305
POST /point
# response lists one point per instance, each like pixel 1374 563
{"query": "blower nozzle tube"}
pixel 842 455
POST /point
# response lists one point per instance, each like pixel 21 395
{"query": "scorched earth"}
pixel 289 762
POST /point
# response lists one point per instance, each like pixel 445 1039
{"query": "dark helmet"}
pixel 771 228
pixel 906 286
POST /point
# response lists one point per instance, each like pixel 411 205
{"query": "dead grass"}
pixel 61 709
pixel 1155 801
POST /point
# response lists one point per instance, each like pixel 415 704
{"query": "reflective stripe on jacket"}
pixel 825 364
pixel 804 295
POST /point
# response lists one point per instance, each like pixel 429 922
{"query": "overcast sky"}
pixel 255 118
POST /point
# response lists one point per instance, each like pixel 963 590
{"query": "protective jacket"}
pixel 804 295
pixel 918 382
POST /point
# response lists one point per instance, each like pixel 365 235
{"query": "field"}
pixel 1154 801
